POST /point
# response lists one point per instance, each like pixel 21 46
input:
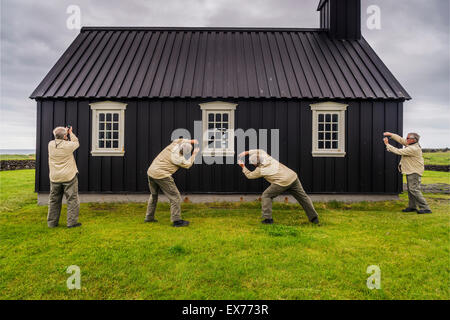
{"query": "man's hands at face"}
pixel 386 141
pixel 241 163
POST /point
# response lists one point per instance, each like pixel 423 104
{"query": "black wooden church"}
pixel 125 89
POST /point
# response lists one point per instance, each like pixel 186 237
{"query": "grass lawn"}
pixel 430 177
pixel 437 158
pixel 225 253
pixel 17 156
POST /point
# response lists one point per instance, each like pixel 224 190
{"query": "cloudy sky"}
pixel 413 42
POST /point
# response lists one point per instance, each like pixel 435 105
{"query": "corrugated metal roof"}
pixel 137 62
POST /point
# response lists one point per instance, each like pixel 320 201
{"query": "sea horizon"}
pixel 17 151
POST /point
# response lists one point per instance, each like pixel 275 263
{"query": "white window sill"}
pixel 107 153
pixel 218 153
pixel 328 154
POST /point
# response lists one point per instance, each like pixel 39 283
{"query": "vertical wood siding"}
pixel 366 168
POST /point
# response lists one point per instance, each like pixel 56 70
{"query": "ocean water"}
pixel 17 151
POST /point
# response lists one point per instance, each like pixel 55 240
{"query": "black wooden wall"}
pixel 367 167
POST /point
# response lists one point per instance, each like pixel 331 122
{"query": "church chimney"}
pixel 342 18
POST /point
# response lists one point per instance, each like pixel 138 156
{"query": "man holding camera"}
pixel 63 174
pixel 281 179
pixel 159 176
pixel 412 165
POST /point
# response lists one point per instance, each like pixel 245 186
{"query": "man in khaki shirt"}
pixel 281 179
pixel 412 165
pixel 159 176
pixel 63 177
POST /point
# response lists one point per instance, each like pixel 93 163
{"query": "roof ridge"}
pixel 159 28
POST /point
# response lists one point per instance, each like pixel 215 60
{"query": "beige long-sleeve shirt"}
pixel 61 163
pixel 271 170
pixel 412 158
pixel 169 161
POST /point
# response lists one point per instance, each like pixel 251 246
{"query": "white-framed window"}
pixel 108 128
pixel 218 128
pixel 328 129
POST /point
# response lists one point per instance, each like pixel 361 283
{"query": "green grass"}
pixel 430 177
pixel 17 156
pixel 437 158
pixel 225 253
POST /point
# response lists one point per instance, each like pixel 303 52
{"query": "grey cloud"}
pixel 413 42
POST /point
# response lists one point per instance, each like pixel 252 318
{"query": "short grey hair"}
pixel 256 159
pixel 414 135
pixel 185 148
pixel 59 132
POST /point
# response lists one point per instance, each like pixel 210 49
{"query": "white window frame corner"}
pixel 104 106
pixel 329 106
pixel 218 106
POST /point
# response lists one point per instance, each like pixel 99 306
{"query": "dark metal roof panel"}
pixel 218 63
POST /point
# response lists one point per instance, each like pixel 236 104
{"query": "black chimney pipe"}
pixel 342 18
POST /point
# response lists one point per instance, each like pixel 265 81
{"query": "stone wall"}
pixel 434 167
pixel 16 164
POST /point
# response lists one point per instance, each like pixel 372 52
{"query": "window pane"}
pixel 218 144
pixel 101 144
pixel 320 117
pixel 225 125
pixel 218 117
pixel 211 117
pixel 115 135
pixel 102 117
pixel 116 117
pixel 102 126
pixel 116 126
pixel 334 136
pixel 225 117
pixel 108 135
pixel 327 145
pixel 101 135
pixel 335 127
pixel 328 127
pixel 335 118
pixel 210 125
pixel 108 117
pixel 218 125
pixel 108 144
pixel 115 144
pixel 320 144
pixel 328 117
pixel 108 126
pixel 335 144
pixel 218 135
pixel 328 136
pixel 320 135
pixel 320 127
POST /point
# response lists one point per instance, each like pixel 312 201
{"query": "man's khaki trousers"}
pixel 416 198
pixel 57 190
pixel 168 187
pixel 294 189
